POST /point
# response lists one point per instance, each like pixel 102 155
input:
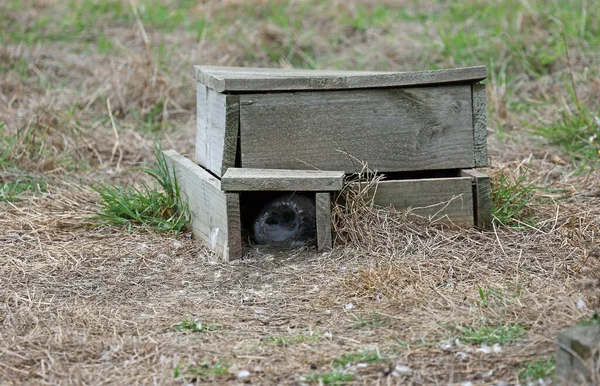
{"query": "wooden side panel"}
pixel 247 179
pixel 234 225
pixel 225 149
pixel 479 126
pixel 433 198
pixel 482 198
pixel 201 153
pixel 213 212
pixel 391 129
pixel 217 130
pixel 323 207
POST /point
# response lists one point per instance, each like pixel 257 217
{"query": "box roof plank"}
pixel 246 79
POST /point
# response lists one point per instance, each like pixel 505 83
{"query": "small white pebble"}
pixel 401 369
pixel 177 244
pixel 349 306
pixel 462 356
pixel 242 374
pixel 447 346
pixel 328 334
pixel 343 269
pixel 487 374
pixel 484 349
pixel 581 304
pixel 497 348
pixel 467 383
pixel 361 365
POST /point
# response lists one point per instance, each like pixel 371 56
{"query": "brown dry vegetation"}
pixel 82 304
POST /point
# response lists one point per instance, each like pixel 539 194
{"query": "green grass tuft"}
pixel 11 190
pixel 490 334
pixel 204 372
pixel 163 211
pixel 373 320
pixel 364 356
pixel 540 368
pixel 195 326
pixel 590 320
pixel 576 133
pixel 494 297
pixel 153 121
pixel 7 144
pixel 337 377
pixel 511 201
pixel 284 341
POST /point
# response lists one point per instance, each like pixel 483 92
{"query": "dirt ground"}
pixel 88 304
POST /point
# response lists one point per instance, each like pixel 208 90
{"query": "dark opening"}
pixel 278 218
pixel 415 175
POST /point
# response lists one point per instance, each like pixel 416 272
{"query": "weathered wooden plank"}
pixel 201 152
pixel 231 79
pixel 217 130
pixel 323 216
pixel 230 138
pixel 234 225
pixel 248 179
pixel 479 126
pixel 432 198
pixel 215 214
pixel 482 198
pixel 390 129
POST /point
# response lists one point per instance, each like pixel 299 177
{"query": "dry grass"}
pixel 89 305
pixel 81 304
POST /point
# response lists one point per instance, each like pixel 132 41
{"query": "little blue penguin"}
pixel 287 220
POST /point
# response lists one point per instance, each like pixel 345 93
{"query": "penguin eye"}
pixel 271 220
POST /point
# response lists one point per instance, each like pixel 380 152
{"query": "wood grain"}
pixel 323 215
pixel 398 129
pixel 433 198
pixel 215 214
pixel 247 179
pixel 234 225
pixel 479 126
pixel 231 79
pixel 482 198
pixel 201 152
pixel 216 130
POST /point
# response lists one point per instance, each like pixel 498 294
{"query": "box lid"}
pixel 247 79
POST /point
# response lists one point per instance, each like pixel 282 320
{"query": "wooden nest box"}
pixel 272 130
